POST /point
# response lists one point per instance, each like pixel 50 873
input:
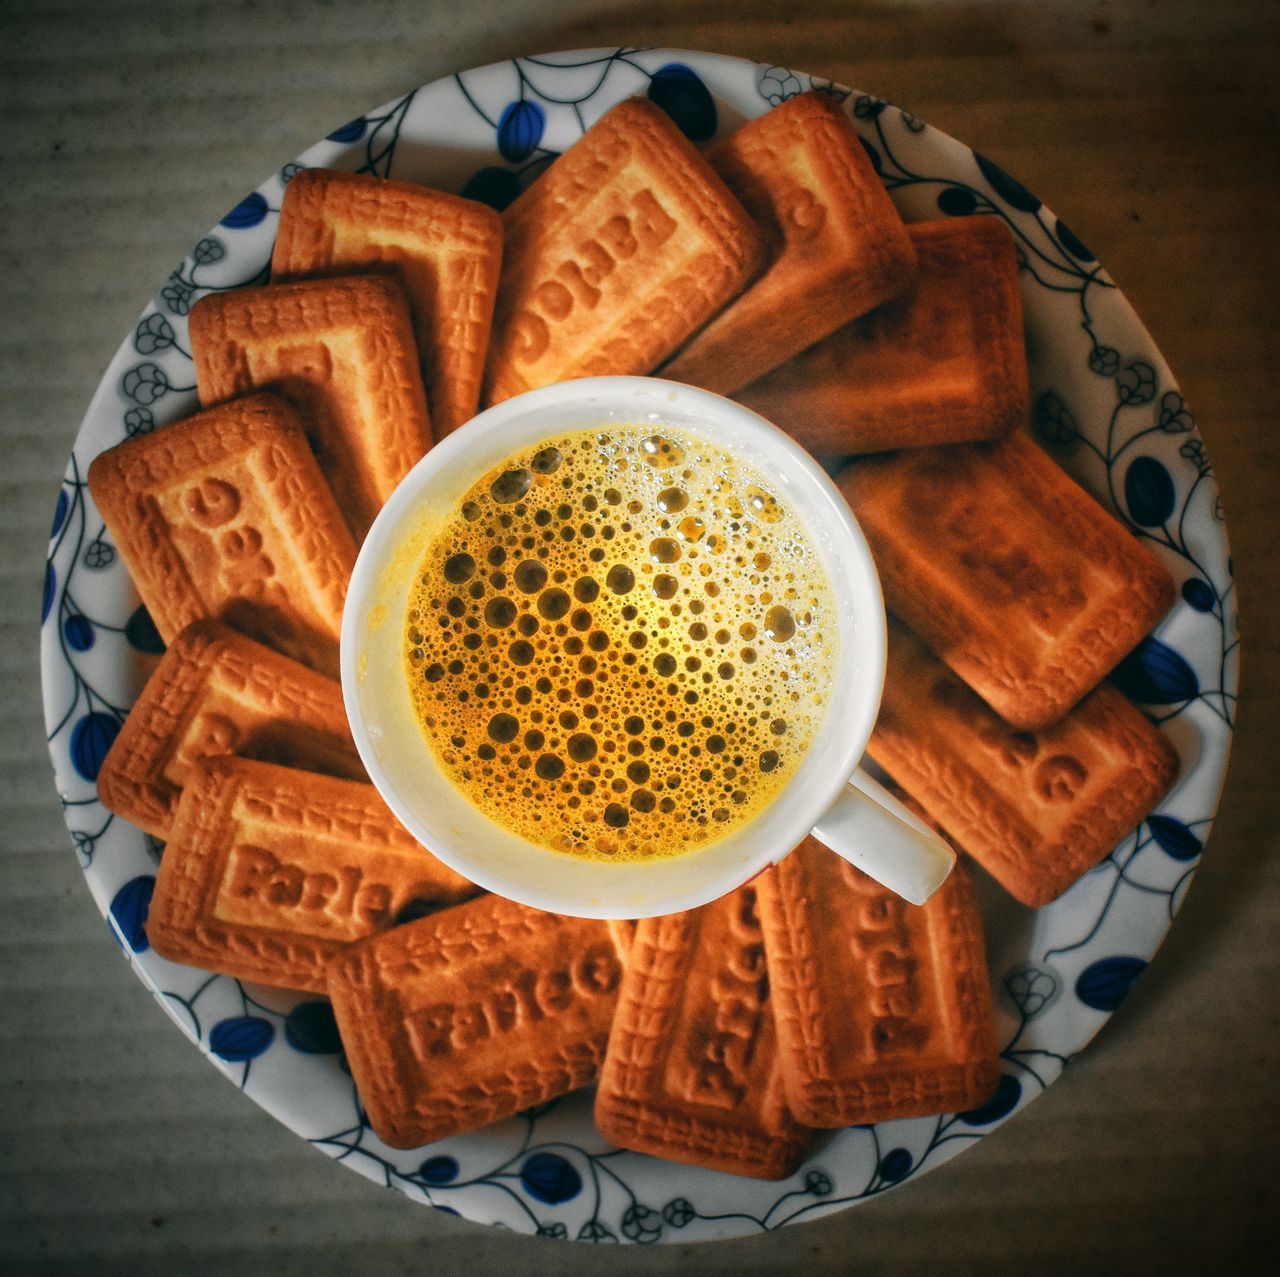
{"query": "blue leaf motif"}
pixel 520 130
pixel 1008 188
pixel 955 201
pixel 494 186
pixel 677 89
pixel 249 212
pixel 129 909
pixel 895 1165
pixel 1148 492
pixel 439 1170
pixel 91 737
pixel 1199 594
pixel 1001 1104
pixel 141 632
pixel 351 131
pixel 311 1029
pixel 1073 243
pixel 241 1038
pixel 549 1178
pixel 79 632
pixel 59 513
pixel 1174 838
pixel 872 154
pixel 50 588
pixel 1156 675
pixel 1104 984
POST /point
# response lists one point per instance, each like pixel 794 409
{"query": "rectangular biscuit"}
pixel 1035 810
pixel 473 1014
pixel 625 246
pixel 693 1071
pixel 226 515
pixel 1009 570
pixel 270 872
pixel 839 245
pixel 883 1008
pixel 445 250
pixel 216 692
pixel 341 351
pixel 944 363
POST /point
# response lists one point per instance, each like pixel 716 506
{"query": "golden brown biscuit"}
pixel 446 251
pixel 269 872
pixel 473 1014
pixel 341 351
pixel 226 515
pixel 1009 570
pixel 883 1008
pixel 623 931
pixel 693 1072
pixel 944 363
pixel 628 243
pixel 1035 810
pixel 216 692
pixel 840 247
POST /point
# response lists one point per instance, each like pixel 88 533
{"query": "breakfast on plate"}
pixel 772 266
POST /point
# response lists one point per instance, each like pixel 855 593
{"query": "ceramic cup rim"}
pixel 634 888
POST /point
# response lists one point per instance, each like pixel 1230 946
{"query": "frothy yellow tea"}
pixel 621 643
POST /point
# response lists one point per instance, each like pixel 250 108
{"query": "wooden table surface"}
pixel 130 126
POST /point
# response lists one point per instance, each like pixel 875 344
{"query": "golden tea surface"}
pixel 620 644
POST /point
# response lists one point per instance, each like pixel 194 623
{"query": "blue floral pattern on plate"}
pixel 1104 404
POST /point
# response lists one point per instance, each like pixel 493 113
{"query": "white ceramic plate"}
pixel 1103 403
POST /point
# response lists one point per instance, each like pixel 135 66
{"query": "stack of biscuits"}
pixel 773 267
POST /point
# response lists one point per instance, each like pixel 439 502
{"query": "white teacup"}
pixel 828 795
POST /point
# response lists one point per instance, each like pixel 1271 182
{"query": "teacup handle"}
pixel 873 831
